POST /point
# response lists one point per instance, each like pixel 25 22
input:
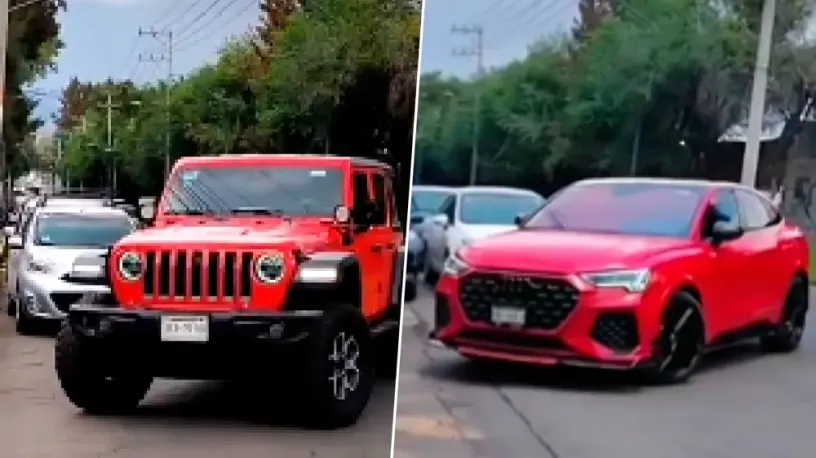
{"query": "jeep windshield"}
pixel 628 208
pixel 74 230
pixel 263 190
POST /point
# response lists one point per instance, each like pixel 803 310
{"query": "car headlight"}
pixel 270 268
pixel 42 266
pixel 634 281
pixel 455 266
pixel 131 266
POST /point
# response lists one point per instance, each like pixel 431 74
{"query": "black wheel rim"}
pixel 680 342
pixel 344 366
pixel 795 315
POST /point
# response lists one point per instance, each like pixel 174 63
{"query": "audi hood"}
pixel 568 252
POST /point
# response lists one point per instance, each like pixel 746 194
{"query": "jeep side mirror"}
pixel 724 231
pixel 342 214
pixel 147 211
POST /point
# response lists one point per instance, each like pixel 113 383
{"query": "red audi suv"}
pixel 633 274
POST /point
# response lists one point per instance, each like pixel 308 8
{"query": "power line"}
pixel 476 50
pixel 192 42
pixel 202 14
pixel 165 37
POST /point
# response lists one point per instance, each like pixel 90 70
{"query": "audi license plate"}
pixel 508 315
pixel 185 328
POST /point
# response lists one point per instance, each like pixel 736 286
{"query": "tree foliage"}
pixel 33 44
pixel 663 77
pixel 328 76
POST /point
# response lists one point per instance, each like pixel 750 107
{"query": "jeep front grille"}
pixel 198 275
pixel 547 301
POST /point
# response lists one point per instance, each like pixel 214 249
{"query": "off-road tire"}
pixel 786 336
pixel 82 378
pixel 387 348
pixel 681 342
pixel 323 409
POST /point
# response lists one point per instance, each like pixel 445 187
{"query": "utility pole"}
pixel 476 50
pixel 164 37
pixel 750 159
pixel 109 106
pixel 4 170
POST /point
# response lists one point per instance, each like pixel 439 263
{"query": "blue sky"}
pixel 101 38
pixel 510 26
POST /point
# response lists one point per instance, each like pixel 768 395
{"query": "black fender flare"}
pixel 345 286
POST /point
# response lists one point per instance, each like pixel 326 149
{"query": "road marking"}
pixel 435 428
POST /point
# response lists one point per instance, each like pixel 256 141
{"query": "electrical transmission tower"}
pixel 476 32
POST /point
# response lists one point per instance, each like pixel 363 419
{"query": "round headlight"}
pixel 131 266
pixel 270 268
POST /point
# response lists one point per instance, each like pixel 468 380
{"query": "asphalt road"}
pixel 742 404
pixel 178 420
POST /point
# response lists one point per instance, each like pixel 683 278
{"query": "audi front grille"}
pixel 214 276
pixel 547 301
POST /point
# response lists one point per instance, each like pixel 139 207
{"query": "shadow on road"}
pixel 271 402
pixel 474 372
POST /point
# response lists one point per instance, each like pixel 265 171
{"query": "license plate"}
pixel 185 328
pixel 507 315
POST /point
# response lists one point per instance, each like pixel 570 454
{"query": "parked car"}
pixel 42 280
pixel 426 201
pixel 470 214
pixel 630 274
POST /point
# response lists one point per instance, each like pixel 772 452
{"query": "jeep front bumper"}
pixel 236 345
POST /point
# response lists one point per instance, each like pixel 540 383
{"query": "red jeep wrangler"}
pixel 250 260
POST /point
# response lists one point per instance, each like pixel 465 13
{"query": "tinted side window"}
pixel 724 208
pixel 380 210
pixel 361 197
pixel 754 213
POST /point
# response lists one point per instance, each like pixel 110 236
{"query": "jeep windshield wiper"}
pixel 256 211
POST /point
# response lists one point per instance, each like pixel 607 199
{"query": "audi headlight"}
pixel 131 266
pixel 455 266
pixel 634 281
pixel 270 268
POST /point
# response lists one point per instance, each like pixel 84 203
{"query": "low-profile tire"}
pixel 680 344
pixel 83 380
pixel 786 336
pixel 339 369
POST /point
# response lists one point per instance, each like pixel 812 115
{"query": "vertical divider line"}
pixel 407 226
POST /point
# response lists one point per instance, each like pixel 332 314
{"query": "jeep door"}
pixel 366 241
pixel 386 231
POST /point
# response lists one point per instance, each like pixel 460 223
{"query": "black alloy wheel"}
pixel 681 342
pixel 786 336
